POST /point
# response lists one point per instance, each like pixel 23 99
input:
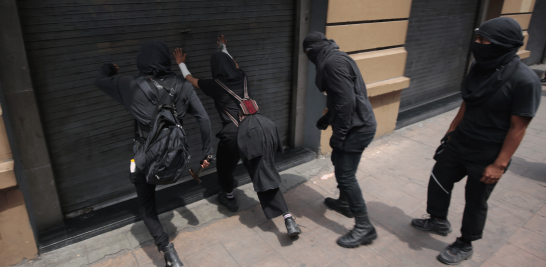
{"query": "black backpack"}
pixel 165 154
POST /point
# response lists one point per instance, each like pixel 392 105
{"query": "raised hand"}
pixel 179 56
pixel 222 40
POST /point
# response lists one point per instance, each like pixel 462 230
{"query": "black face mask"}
pixel 490 56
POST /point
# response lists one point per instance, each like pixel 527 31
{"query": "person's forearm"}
pixel 457 120
pixel 193 81
pixel 510 145
pixel 186 74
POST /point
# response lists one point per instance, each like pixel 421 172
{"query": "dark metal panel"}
pixel 537 34
pixel 438 39
pixel 89 135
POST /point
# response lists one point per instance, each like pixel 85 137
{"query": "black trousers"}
pixel 148 211
pixel 345 163
pixel 227 156
pixel 462 157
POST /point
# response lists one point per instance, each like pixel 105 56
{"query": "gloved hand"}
pixel 111 69
pixel 323 123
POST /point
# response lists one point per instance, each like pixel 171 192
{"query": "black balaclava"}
pixel 494 63
pixel 319 49
pixel 154 58
pixel 224 69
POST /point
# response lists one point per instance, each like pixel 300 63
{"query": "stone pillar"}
pixel 16 237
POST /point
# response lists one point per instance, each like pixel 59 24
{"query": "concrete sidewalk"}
pixel 393 175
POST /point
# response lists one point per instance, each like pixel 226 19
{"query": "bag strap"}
pixel 232 119
pixel 233 93
pixel 146 89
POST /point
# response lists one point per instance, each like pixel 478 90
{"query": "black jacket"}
pixel 349 109
pixel 126 91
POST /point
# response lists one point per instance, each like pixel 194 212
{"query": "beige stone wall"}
pixel 16 238
pixel 355 29
pixel 514 9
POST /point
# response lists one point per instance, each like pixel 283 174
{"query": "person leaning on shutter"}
pixel 253 139
pixel 154 62
pixel 353 124
pixel 501 95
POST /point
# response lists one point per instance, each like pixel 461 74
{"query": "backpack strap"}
pixel 146 89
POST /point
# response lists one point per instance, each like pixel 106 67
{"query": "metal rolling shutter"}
pixel 89 135
pixel 438 40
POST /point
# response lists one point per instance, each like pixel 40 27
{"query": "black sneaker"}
pixel 229 203
pixel 292 227
pixel 441 227
pixel 455 253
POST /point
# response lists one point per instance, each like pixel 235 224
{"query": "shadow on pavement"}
pixel 141 234
pixel 397 222
pixel 531 170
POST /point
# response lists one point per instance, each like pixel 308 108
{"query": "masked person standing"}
pixel 154 65
pixel 252 138
pixel 353 124
pixel 501 95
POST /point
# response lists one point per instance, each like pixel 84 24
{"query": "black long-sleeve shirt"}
pixel 349 109
pixel 127 92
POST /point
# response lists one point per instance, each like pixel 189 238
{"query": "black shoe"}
pixel 543 80
pixel 339 206
pixel 362 234
pixel 441 227
pixel 292 227
pixel 229 203
pixel 455 253
pixel 171 257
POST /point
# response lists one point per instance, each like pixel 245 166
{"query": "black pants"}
pixel 462 157
pixel 148 211
pixel 345 163
pixel 227 156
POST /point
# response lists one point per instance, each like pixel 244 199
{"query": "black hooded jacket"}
pixel 349 109
pixel 153 60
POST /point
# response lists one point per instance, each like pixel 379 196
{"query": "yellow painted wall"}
pixel 514 8
pixel 382 64
pixel 518 6
pixel 355 37
pixel 358 10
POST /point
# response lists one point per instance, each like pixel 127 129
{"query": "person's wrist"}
pixel 500 164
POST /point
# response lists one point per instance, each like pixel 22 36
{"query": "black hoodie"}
pixel 349 109
pixel 153 60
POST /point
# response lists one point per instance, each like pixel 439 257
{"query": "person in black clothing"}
pixel 257 153
pixel 501 95
pixel 153 62
pixel 353 123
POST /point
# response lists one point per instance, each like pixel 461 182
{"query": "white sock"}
pixel 287 215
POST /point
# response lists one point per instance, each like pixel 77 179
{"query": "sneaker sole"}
pixel 440 259
pixel 293 234
pixel 367 241
pixel 348 215
pixel 440 232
